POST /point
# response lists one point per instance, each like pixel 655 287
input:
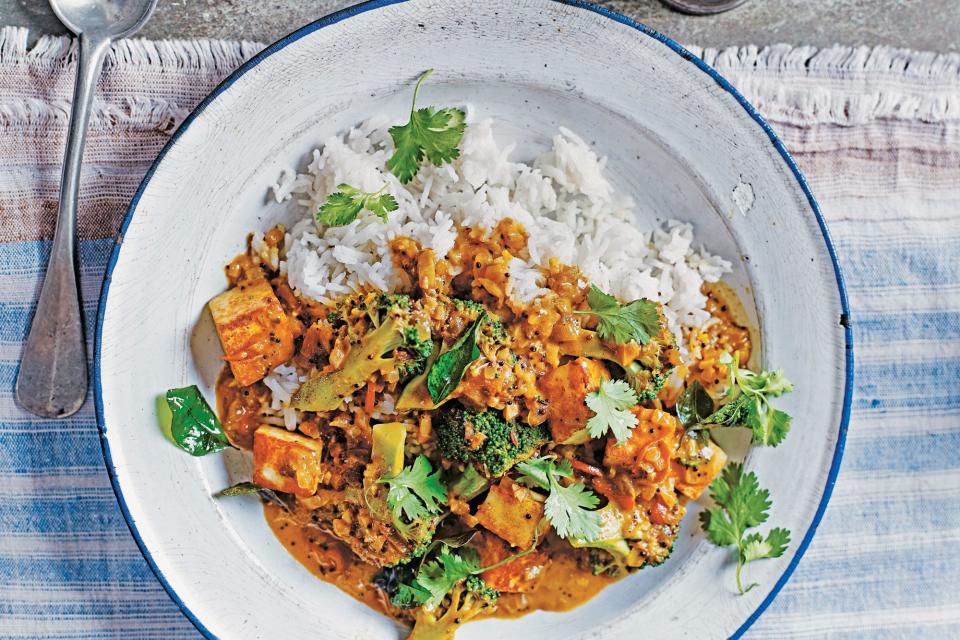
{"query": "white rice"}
pixel 569 208
pixel 283 382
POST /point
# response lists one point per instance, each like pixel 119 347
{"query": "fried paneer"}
pixel 255 332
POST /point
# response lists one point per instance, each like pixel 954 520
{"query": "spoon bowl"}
pixel 107 18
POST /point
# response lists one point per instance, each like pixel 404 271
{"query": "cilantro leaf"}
pixel 771 383
pixel 756 547
pixel 636 321
pixel 537 471
pixel 742 504
pixel 448 369
pixel 750 406
pixel 439 576
pixel 433 133
pixel 570 509
pixel 435 578
pixel 415 493
pixel 411 595
pixel 769 426
pixel 720 531
pixel 345 204
pixel 611 403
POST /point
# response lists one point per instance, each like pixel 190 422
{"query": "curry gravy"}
pixel 564 585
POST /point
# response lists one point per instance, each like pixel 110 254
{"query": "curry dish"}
pixel 476 387
pixel 399 471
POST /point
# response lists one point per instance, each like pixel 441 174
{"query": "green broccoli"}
pixel 475 584
pixel 393 302
pixel 646 382
pixel 465 602
pixel 391 344
pixel 468 307
pixel 604 563
pixel 493 331
pixel 486 439
pixel 646 376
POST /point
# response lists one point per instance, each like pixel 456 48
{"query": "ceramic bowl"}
pixel 679 139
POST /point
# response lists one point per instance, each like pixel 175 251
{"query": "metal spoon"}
pixel 53 371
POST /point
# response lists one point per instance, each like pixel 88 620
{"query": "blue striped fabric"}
pixel 886 560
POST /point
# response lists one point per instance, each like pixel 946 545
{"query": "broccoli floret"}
pixel 393 302
pixel 416 351
pixel 410 368
pixel 487 440
pixel 647 377
pixel 467 306
pixel 603 563
pixel 493 331
pixel 475 584
pixel 335 318
pixel 386 346
pixel 646 382
pixel 417 346
pixel 464 603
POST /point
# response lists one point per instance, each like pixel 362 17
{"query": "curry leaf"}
pixel 239 489
pixel 449 367
pixel 194 426
pixel 694 405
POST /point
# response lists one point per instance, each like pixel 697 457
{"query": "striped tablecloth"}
pixel 877 132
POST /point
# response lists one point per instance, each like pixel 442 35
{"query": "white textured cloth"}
pixel 877 132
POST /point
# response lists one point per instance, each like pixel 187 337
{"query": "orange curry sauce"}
pixel 534 386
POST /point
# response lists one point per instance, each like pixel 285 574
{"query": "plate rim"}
pixel 370 5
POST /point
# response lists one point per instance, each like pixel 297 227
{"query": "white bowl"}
pixel 679 139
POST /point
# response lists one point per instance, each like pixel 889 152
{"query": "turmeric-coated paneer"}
pixel 286 461
pixel 642 453
pixel 511 511
pixel 565 389
pixel 520 575
pixel 254 330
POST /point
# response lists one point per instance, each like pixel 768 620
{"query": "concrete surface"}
pixel 918 24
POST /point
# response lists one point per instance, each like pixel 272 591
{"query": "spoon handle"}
pixel 53 370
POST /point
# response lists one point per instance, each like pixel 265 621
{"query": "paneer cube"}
pixel 641 453
pixel 286 461
pixel 520 575
pixel 565 389
pixel 511 511
pixel 254 330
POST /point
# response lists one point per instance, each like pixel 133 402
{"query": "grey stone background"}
pixel 918 24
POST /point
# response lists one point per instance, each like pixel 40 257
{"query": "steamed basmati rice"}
pixel 570 211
